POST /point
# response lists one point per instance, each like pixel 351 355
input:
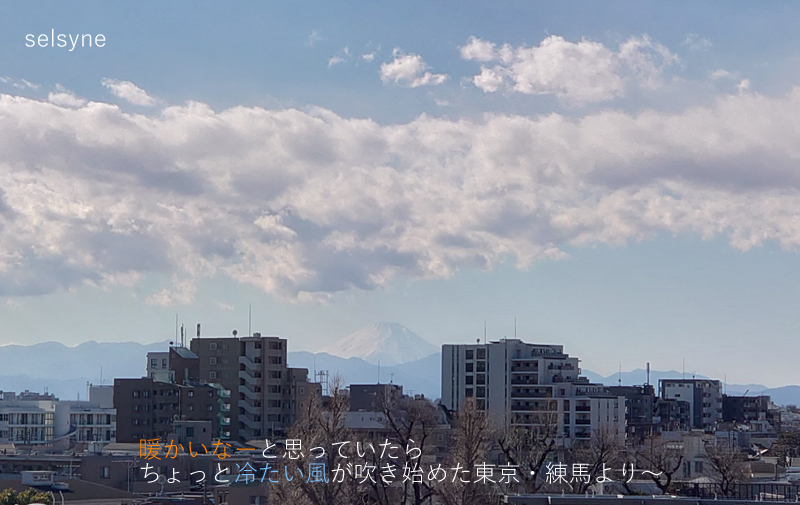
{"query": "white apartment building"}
pixel 46 421
pixel 535 385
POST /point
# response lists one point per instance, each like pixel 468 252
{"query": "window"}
pixel 258 345
pixel 468 392
pixel 210 408
pixel 164 363
pixel 212 360
pixel 468 367
pixel 135 394
pixel 481 353
pixel 105 472
pixel 275 374
pixel 191 394
pixel 481 378
pixel 212 346
pixel 470 354
pixel 191 407
pixel 275 345
pixel 224 347
pixel 302 391
pixel 212 375
pixel 275 360
pixel 153 363
pixel 481 392
pixel 481 366
pixel 468 380
pixel 211 394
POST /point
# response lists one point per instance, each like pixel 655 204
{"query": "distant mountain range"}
pixel 382 343
pixel 64 371
pixel 381 352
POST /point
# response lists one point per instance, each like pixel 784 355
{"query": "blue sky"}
pixel 621 178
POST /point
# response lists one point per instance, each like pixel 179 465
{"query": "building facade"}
pixel 37 422
pixel 530 385
pixel 704 397
pixel 149 409
pixel 267 395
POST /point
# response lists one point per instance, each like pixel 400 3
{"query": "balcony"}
pixel 525 381
pixel 583 422
pixel 531 394
pixel 583 408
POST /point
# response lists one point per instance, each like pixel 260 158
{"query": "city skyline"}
pixel 620 181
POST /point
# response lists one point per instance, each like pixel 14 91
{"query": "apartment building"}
pixel 704 397
pixel 267 396
pixel 530 385
pixel 149 409
pixel 36 422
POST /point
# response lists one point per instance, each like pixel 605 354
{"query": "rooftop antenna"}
pixel 648 374
pixel 391 378
pixel 176 326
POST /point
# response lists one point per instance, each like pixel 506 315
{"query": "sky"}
pixel 620 178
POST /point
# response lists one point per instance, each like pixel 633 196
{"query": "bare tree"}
pixel 726 466
pixel 412 423
pixel 470 444
pixel 320 428
pixel 664 459
pixel 529 446
pixel 604 450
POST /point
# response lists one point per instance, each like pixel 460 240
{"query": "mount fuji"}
pixel 386 343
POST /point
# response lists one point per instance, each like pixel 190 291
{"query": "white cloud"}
pixel 65 98
pixel 224 306
pixel 182 292
pixel 368 57
pixel 129 92
pixel 743 86
pixel 697 43
pixel 304 204
pixel 343 56
pixel 313 38
pixel 721 73
pixel 409 70
pixel 576 72
pixel 19 84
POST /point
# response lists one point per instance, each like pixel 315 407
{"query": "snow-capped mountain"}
pixel 387 343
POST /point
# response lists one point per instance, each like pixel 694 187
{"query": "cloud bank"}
pixel 577 73
pixel 303 204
